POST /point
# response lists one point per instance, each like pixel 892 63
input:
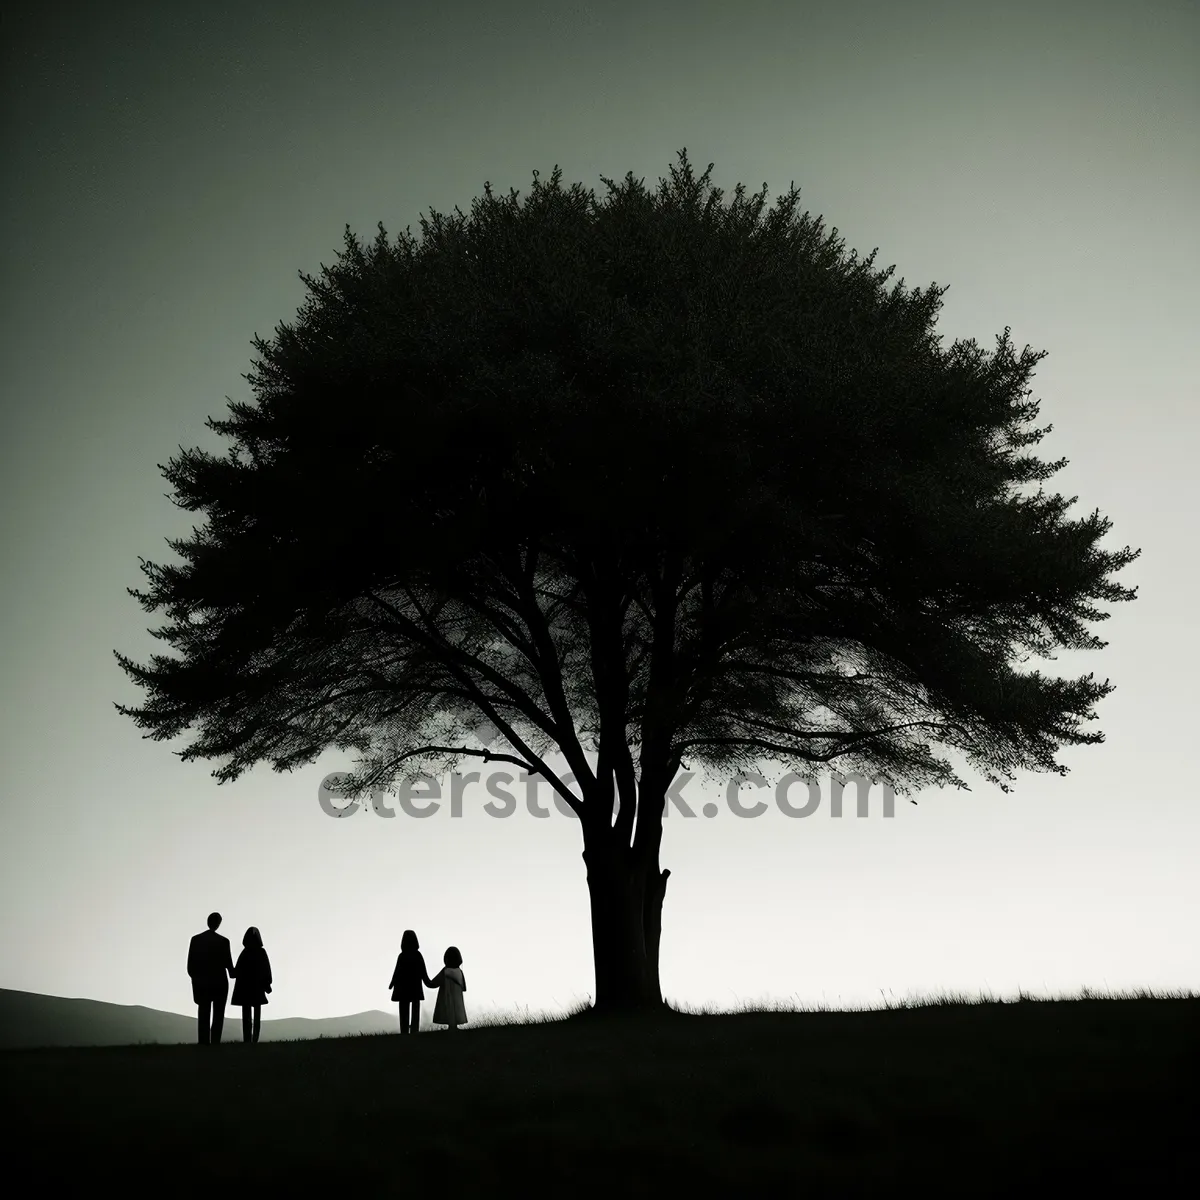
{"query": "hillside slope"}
pixel 29 1020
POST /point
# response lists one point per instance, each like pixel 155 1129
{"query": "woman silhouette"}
pixel 252 982
pixel 406 982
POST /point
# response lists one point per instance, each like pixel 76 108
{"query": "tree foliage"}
pixel 651 480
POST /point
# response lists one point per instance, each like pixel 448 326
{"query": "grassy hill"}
pixel 28 1020
pixel 979 1099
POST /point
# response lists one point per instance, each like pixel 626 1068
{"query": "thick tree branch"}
pixel 521 701
pixel 387 771
pixel 611 680
pixel 851 741
pixel 443 649
pixel 795 675
pixel 552 685
pixel 849 735
pixel 660 712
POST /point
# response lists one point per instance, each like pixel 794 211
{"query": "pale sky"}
pixel 171 168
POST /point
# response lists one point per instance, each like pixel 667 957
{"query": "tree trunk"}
pixel 627 892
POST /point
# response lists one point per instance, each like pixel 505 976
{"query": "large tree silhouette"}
pixel 643 483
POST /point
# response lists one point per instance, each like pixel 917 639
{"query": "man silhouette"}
pixel 208 961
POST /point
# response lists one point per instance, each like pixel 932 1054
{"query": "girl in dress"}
pixel 451 983
pixel 406 982
pixel 252 982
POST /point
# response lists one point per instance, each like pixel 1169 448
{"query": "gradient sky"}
pixel 170 168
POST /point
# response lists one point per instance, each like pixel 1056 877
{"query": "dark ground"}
pixel 973 1100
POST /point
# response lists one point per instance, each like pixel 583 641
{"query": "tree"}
pixel 645 482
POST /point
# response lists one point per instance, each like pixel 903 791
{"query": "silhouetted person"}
pixel 210 965
pixel 253 975
pixel 406 982
pixel 451 983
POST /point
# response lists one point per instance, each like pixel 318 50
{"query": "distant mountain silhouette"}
pixel 29 1020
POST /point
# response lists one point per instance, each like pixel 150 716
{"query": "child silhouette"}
pixel 451 983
